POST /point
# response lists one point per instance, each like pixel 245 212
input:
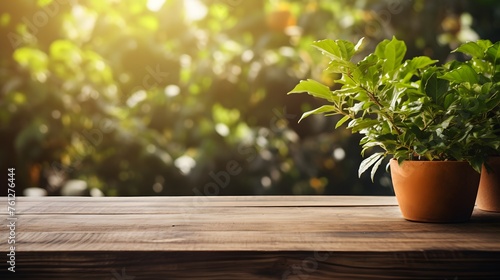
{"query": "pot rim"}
pixel 435 161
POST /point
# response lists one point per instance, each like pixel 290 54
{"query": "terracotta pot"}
pixel 435 191
pixel 488 195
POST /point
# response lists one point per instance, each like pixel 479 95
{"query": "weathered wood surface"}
pixel 247 237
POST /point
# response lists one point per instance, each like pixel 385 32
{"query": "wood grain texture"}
pixel 248 237
pixel 148 205
pixel 257 265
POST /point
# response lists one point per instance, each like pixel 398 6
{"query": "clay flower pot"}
pixel 488 195
pixel 435 191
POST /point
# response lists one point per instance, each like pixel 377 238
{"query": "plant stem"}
pixel 387 116
pixel 374 99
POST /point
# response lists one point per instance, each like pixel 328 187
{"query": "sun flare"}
pixel 194 9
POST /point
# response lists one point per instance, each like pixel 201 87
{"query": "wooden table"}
pixel 247 237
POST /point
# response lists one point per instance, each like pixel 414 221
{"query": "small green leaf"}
pixel 359 45
pixel 369 161
pixel 346 49
pixel 321 110
pixel 392 51
pixel 447 122
pixel 472 49
pixel 367 63
pixel 359 124
pixel 375 167
pixel 347 91
pixel 463 74
pixel 481 65
pixel 420 62
pixel 357 107
pixel 493 52
pixel 434 88
pixel 340 66
pixel 313 88
pixel 448 100
pixel 341 121
pixel 411 66
pixel 338 49
pixel 380 49
pixel 396 96
pixel 484 44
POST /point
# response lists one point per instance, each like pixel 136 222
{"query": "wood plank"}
pixel 256 265
pixel 278 237
pixel 149 205
pixel 254 228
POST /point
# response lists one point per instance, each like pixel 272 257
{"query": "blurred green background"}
pixel 171 97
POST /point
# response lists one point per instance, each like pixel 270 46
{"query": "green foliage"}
pixel 412 109
pixel 128 97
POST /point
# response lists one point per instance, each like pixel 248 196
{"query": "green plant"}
pixel 485 60
pixel 413 109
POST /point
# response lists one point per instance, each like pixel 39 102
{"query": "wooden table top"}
pixel 244 237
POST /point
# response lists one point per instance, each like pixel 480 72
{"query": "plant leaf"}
pixel 462 74
pixel 396 96
pixel 493 52
pixel 472 49
pixel 338 49
pixel 414 64
pixel 313 88
pixel 342 121
pixel 375 167
pixel 421 62
pixel 448 100
pixel 380 49
pixel 392 51
pixel 435 88
pixel 369 161
pixel 321 110
pixel 359 45
pixel 359 124
pixel 340 66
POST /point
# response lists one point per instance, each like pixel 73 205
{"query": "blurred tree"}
pixel 146 97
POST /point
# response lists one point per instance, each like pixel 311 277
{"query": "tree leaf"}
pixel 313 88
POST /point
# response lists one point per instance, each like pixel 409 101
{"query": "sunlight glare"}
pixel 195 10
pixel 155 5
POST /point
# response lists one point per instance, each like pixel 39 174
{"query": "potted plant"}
pixel 488 195
pixel 484 59
pixel 432 120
